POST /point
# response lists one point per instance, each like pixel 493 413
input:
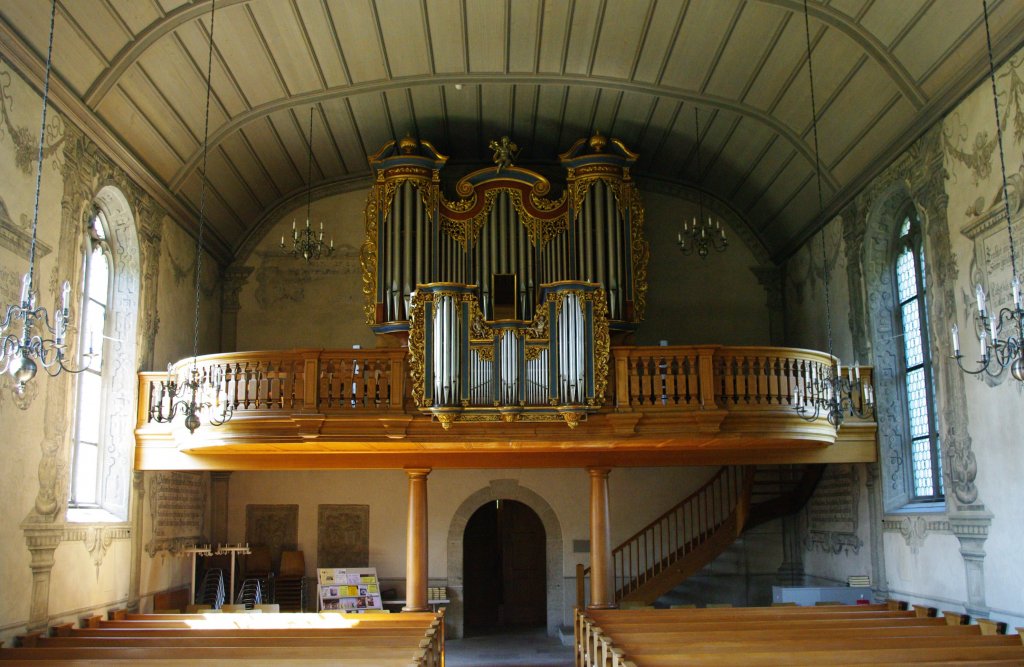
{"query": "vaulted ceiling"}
pixel 545 72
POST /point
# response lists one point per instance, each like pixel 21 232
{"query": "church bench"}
pixel 236 632
pixel 863 656
pixel 718 615
pixel 868 634
pixel 398 657
pixel 192 641
pixel 638 644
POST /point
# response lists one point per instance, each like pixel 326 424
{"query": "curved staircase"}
pixel 690 535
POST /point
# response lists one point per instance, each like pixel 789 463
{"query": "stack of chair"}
pixel 211 590
pixel 258 565
pixel 289 585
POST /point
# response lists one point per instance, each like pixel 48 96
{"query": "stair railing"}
pixel 725 498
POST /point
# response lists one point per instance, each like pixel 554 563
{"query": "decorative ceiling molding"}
pixel 31 68
pixel 561 80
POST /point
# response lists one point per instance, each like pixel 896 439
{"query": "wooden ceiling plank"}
pixel 740 63
pixel 336 117
pixel 642 41
pixel 806 190
pixel 867 41
pixel 445 36
pixel 133 15
pixel 250 199
pixel 256 173
pixel 761 178
pixel 523 35
pixel 96 26
pixel 429 55
pixel 166 24
pixel 485 29
pixel 722 44
pixel 752 166
pixel 160 156
pixel 385 55
pixel 883 127
pixel 602 9
pixel 268 53
pixel 151 101
pixel 336 43
pixel 359 40
pixel 667 133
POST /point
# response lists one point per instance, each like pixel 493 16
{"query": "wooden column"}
pixel 602 578
pixel 416 542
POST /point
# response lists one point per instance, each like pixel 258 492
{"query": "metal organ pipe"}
pixel 409 235
pixel 611 219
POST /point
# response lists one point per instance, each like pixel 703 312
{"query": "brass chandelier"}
pixel 1000 334
pixel 829 392
pixel 29 341
pixel 701 235
pixel 307 243
pixel 202 390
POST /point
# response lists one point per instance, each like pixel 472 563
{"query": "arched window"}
pixel 94 332
pixel 102 433
pixel 919 396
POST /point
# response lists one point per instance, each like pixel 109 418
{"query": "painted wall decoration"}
pixel 832 513
pixel 343 536
pixel 177 508
pixel 272 526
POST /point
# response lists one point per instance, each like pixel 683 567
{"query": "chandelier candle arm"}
pixel 22 355
pixel 995 352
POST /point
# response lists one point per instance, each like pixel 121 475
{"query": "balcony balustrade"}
pixel 676 405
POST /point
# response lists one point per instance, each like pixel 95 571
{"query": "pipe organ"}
pixel 503 232
pixel 467 368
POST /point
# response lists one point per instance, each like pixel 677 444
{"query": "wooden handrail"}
pixel 668 538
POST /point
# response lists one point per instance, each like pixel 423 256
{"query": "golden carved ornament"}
pixel 533 352
pixel 639 255
pixel 417 351
pixel 368 257
pixel 602 346
pixel 539 230
pixel 484 352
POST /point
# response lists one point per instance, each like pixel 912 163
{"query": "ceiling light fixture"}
pixel 33 341
pixel 826 391
pixel 202 390
pixel 997 352
pixel 308 243
pixel 701 236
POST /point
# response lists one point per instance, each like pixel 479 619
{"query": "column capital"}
pixel 415 473
pixel 599 471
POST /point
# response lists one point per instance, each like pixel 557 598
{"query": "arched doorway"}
pixel 504 568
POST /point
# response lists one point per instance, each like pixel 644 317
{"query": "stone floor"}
pixel 525 648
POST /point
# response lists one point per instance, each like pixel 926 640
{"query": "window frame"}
pixel 913 242
pixel 91 243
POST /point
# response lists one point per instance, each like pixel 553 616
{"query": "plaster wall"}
pixel 288 303
pixel 693 301
pixel 566 491
pixel 92 558
pixel 966 243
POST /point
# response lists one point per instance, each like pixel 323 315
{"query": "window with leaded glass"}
pixel 911 287
pixel 89 420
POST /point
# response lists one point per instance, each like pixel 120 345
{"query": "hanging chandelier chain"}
pixel 42 139
pixel 700 173
pixel 309 167
pixel 999 136
pixel 202 190
pixel 817 170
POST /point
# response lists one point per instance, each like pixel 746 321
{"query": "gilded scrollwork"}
pixel 368 256
pixel 539 230
pixel 640 253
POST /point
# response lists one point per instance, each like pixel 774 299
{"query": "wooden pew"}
pixel 783 636
pixel 345 640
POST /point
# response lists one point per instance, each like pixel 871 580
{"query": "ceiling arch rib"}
pixel 863 38
pixel 127 56
pixel 243 119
